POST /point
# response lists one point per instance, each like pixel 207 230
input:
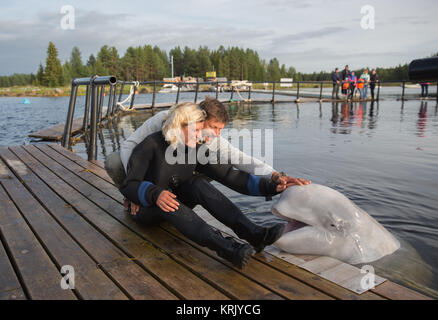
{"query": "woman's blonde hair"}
pixel 179 116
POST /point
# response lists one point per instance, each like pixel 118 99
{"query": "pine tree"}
pixel 40 75
pixel 53 75
pixel 91 65
pixel 77 67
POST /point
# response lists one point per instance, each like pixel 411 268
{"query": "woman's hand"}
pixel 284 181
pixel 166 201
pixel 134 208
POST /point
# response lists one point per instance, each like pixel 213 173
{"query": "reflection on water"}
pixel 383 156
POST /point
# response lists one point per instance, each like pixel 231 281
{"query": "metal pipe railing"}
pixel 66 138
pixel 92 84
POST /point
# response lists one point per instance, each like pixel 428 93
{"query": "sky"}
pixel 311 35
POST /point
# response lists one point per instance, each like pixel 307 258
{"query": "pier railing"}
pixel 95 89
pixel 274 87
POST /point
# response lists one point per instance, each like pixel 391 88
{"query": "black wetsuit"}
pixel 149 174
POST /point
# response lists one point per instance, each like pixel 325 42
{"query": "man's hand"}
pixel 166 201
pixel 284 181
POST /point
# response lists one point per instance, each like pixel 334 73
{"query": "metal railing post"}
pixel 87 109
pixel 92 154
pixel 121 92
pixel 69 122
pixel 99 109
pixel 232 92
pixel 217 90
pixel 110 101
pixel 133 98
pixel 196 90
pixel 403 92
pixel 249 93
pixel 154 93
pixel 273 92
pixel 298 90
pixel 320 92
pixel 378 91
pixel 113 105
pixel 177 93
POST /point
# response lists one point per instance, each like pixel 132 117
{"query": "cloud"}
pixel 309 35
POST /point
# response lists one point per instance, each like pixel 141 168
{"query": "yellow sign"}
pixel 210 74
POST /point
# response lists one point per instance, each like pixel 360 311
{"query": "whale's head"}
pixel 322 221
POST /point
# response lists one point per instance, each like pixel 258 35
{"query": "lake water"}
pixel 382 156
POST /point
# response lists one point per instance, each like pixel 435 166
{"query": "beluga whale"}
pixel 322 221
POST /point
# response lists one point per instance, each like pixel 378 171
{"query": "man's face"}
pixel 213 126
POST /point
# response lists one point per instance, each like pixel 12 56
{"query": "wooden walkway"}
pixel 58 209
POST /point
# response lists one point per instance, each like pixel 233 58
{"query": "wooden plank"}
pixel 221 275
pixel 275 281
pixel 40 276
pixel 55 132
pixel 10 288
pixel 395 291
pixel 313 264
pixel 137 283
pixel 226 283
pixel 156 262
pixel 91 167
pixel 314 280
pixel 85 174
pixel 90 282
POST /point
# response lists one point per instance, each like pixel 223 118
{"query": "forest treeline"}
pixel 151 63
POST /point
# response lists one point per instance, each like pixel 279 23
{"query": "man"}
pixel 345 73
pixel 366 80
pixel 217 116
pixel 374 78
pixel 352 79
pixel 336 82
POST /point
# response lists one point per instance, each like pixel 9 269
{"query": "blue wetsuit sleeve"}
pixel 135 187
pixel 238 180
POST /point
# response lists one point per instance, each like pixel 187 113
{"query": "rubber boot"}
pixel 231 250
pixel 257 236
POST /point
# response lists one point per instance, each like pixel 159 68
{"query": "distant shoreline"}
pixel 36 91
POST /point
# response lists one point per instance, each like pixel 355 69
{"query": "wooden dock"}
pixel 58 209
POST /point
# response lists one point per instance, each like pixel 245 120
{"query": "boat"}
pixel 168 88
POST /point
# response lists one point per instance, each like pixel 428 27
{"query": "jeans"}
pixel 335 90
pixel 364 92
pixel 372 86
pixel 424 90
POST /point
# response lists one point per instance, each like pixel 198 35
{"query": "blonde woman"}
pixel 166 190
